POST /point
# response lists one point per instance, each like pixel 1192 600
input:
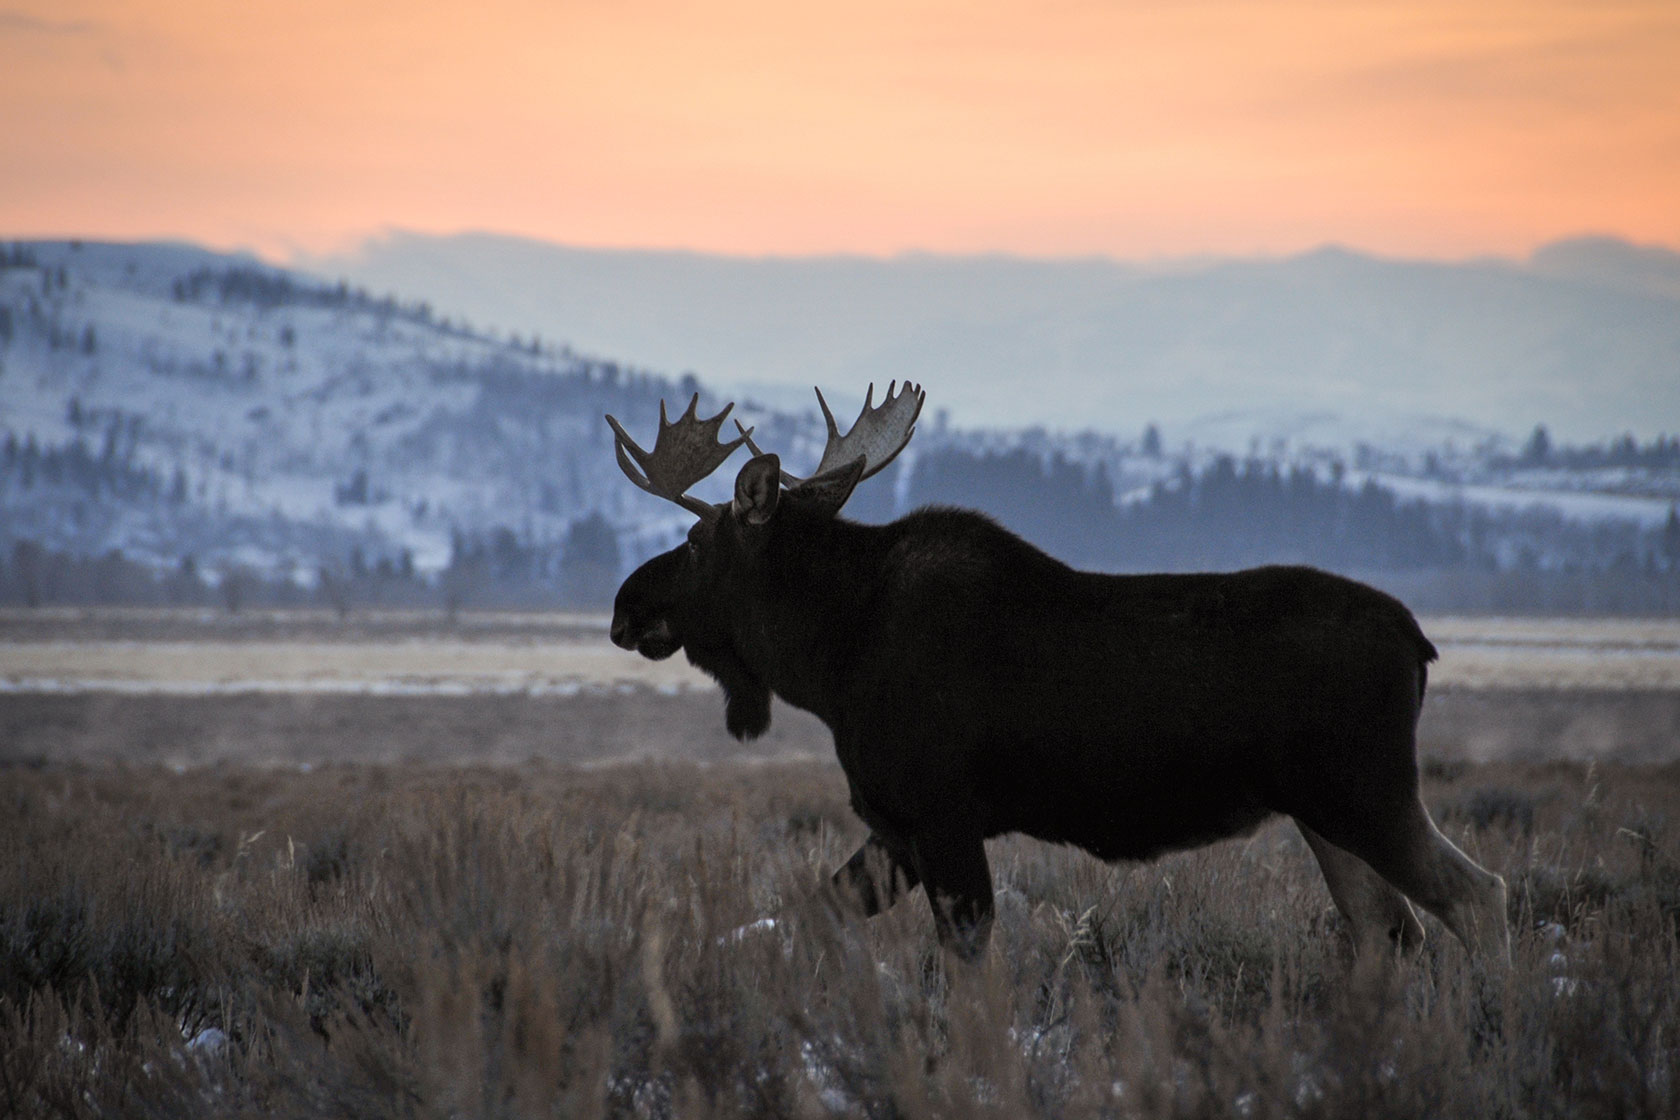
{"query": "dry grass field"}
pixel 536 940
pixel 549 903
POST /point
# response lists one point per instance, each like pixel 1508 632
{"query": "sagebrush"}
pixel 378 941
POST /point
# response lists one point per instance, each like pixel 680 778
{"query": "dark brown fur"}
pixel 976 686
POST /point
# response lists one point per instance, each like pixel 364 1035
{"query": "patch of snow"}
pixel 210 1042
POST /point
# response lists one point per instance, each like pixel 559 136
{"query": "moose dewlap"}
pixel 976 686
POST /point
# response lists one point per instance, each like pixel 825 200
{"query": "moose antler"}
pixel 684 452
pixel 877 436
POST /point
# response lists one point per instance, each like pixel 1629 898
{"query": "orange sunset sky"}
pixel 1430 129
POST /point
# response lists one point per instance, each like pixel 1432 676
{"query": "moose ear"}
pixel 757 489
pixel 828 491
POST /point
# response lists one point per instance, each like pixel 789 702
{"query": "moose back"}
pixel 976 686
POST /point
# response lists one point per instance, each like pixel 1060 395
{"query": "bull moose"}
pixel 976 686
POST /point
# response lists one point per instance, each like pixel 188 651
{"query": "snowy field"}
pixel 421 666
pixel 550 654
pixel 1597 653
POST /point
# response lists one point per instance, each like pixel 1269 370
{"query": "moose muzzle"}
pixel 655 641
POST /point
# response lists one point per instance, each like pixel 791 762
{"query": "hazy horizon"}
pixel 315 260
pixel 307 260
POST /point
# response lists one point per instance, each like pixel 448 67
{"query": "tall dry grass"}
pixel 368 941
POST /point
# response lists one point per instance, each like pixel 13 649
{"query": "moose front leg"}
pixel 875 876
pixel 952 865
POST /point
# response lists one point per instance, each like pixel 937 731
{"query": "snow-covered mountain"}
pixel 171 403
pixel 1584 336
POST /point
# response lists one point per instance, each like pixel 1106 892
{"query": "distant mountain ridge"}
pixel 1584 336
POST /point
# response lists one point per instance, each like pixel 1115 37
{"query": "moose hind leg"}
pixel 1410 852
pixel 1466 896
pixel 1379 915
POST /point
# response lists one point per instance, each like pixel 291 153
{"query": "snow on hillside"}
pixel 284 420
pixel 172 402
